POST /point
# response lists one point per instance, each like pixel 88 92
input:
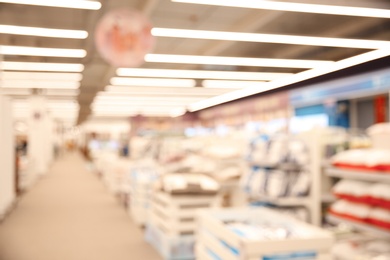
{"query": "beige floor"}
pixel 70 215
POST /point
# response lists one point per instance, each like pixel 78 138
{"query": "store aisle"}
pixel 70 215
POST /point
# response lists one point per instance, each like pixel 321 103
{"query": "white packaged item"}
pixel 301 185
pixel 277 184
pixel 364 157
pixel 298 152
pixel 257 183
pixel 355 210
pixel 380 191
pixel 229 173
pixel 189 183
pixel 380 134
pixel 380 214
pixel 352 187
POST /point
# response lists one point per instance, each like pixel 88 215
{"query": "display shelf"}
pixel 328 198
pixel 358 226
pixel 373 176
pixel 285 202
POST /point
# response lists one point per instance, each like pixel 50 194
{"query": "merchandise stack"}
pixel 143 175
pixel 280 172
pixel 258 233
pixel 363 191
pixel 171 223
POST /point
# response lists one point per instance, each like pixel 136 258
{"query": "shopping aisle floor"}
pixel 70 215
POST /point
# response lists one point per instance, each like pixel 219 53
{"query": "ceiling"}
pixel 123 101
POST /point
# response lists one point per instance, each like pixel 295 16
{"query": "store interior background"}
pixel 134 124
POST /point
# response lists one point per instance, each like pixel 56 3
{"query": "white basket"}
pixel 170 247
pixel 227 245
pixel 175 214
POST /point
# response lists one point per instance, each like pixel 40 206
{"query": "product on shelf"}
pixel 364 159
pixel 362 248
pixel 188 183
pixel 380 135
pixel 374 194
pixel 259 233
pixel 362 213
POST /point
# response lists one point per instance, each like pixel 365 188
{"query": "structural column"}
pixel 7 156
pixel 40 143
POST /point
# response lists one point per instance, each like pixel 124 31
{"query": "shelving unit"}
pixel 358 175
pixel 359 226
pixel 313 201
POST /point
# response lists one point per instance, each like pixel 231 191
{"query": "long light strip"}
pixel 157 91
pixel 235 61
pixel 270 38
pixel 41 66
pixel 346 63
pixel 77 4
pixel 41 76
pixel 153 82
pixel 44 52
pixel 231 84
pixel 143 99
pixel 43 32
pixel 296 7
pixel 199 74
pixel 140 103
pixel 49 92
pixel 40 84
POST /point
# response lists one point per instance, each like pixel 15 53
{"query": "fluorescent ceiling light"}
pixel 62 92
pixel 152 82
pixel 346 63
pixel 231 84
pixel 296 7
pixel 165 92
pixel 235 61
pixel 199 74
pixel 41 76
pixel 77 4
pixel 143 98
pixel 44 52
pixel 43 32
pixel 40 84
pixel 103 105
pixel 41 66
pixel 270 38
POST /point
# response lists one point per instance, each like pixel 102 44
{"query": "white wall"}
pixel 7 155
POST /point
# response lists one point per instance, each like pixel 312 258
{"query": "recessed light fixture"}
pixel 153 82
pixel 44 52
pixel 231 84
pixel 270 38
pixel 41 66
pixel 296 7
pixel 8 75
pixel 199 74
pixel 236 61
pixel 77 4
pixel 43 32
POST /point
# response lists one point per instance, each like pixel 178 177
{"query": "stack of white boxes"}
pixel 172 223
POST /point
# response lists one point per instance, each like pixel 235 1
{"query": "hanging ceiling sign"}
pixel 123 38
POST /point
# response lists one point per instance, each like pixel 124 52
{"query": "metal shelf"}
pixel 359 226
pixel 286 202
pixel 359 175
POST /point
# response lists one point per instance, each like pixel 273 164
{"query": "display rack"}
pixel 370 176
pixel 358 226
pixel 313 200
